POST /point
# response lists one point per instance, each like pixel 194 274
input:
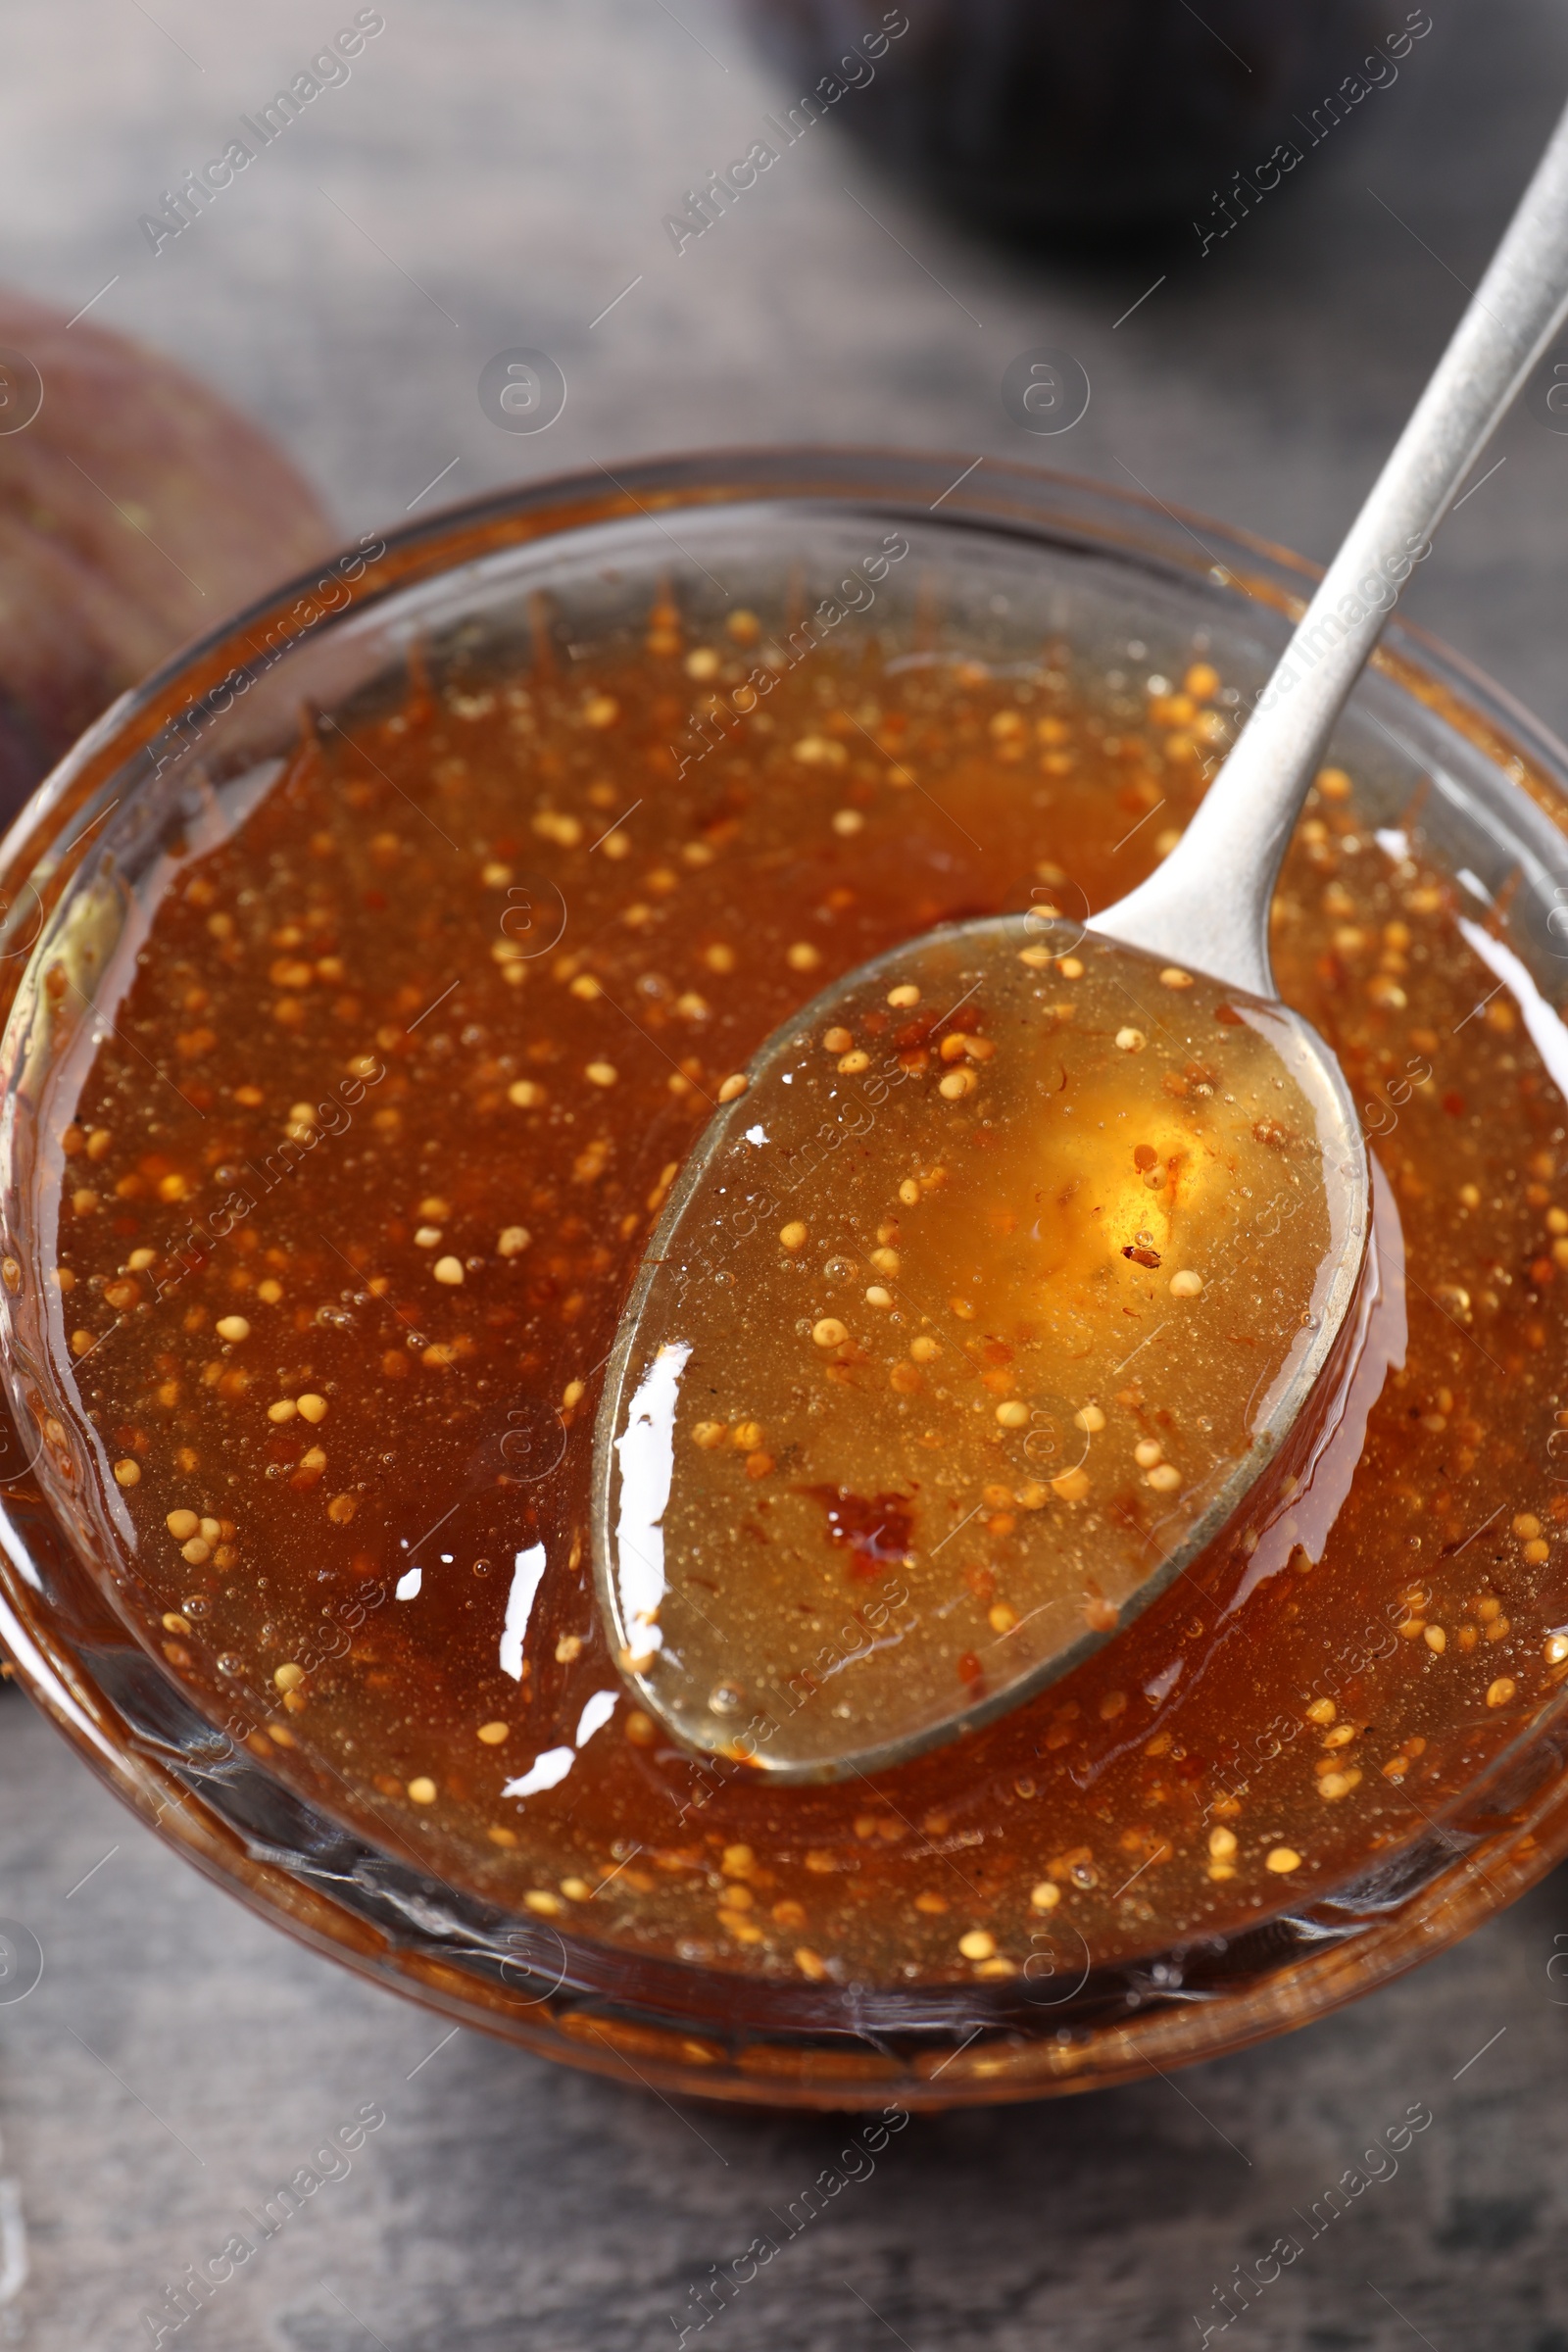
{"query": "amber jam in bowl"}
pixel 369 975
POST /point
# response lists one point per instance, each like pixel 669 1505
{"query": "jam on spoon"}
pixel 1050 1238
pixel 1019 1184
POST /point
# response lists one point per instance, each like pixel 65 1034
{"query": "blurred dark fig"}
pixel 137 509
pixel 1095 120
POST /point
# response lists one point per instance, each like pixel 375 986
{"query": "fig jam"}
pixel 404 1065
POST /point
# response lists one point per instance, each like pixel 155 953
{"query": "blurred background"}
pixel 1093 181
pixel 493 176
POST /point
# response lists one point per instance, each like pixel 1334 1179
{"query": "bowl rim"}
pixel 788 473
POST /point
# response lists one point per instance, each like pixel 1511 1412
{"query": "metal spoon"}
pixel 862 1476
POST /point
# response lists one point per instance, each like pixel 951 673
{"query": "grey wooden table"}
pixel 494 175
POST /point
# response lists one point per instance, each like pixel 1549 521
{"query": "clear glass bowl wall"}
pixel 1013 558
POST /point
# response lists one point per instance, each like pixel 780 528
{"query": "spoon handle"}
pixel 1208 903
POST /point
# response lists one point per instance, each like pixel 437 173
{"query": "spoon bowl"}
pixel 904 1421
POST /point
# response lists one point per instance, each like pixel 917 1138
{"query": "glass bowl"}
pixel 1000 559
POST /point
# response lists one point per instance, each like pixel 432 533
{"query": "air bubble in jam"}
pixel 1025 1232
